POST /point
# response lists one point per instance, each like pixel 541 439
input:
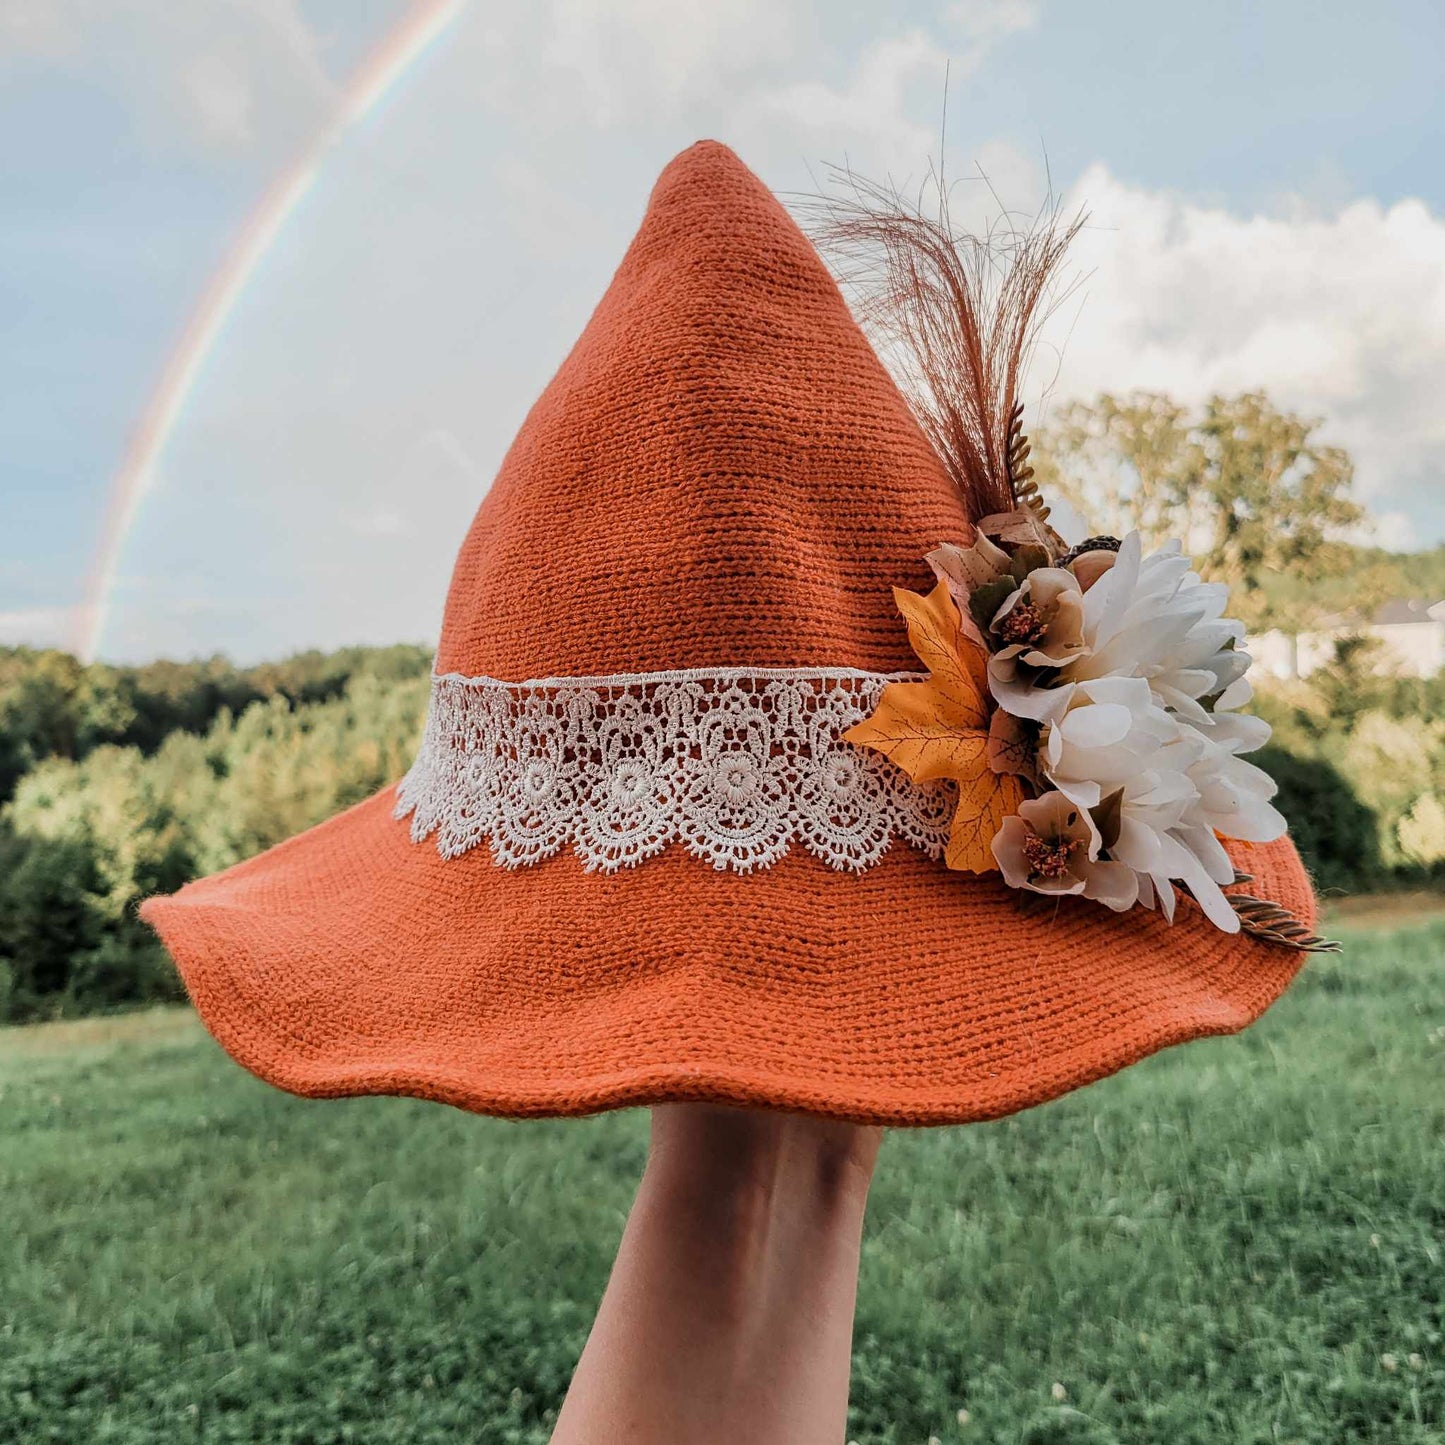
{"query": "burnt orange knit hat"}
pixel 636 860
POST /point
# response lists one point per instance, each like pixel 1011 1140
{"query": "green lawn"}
pixel 1240 1240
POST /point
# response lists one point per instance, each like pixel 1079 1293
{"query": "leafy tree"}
pixel 1250 489
pixel 37 713
pixel 99 821
pixel 52 706
pixel 1272 495
pixel 1337 835
pixel 48 915
pixel 1119 462
pixel 1422 831
pixel 1349 685
pixel 1372 743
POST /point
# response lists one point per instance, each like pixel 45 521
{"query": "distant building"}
pixel 1411 635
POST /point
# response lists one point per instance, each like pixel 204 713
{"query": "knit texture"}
pixel 720 475
pixel 352 961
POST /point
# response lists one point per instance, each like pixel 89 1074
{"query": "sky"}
pixel 1265 186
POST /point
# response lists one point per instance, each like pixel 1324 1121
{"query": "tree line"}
pixel 123 782
pixel 116 783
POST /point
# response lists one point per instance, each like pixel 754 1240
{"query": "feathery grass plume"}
pixel 954 315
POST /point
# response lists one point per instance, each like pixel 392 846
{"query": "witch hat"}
pixel 636 860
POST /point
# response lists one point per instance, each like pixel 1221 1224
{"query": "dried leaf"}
pixel 984 801
pixel 1020 528
pixel 1272 922
pixel 968 567
pixel 953 566
pixel 939 728
pixel 1023 485
pixel 1013 745
pixel 1027 559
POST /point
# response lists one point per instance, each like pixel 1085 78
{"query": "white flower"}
pixel 1146 617
pixel 1159 791
pixel 1132 675
pixel 1107 727
pixel 1234 796
pixel 1136 697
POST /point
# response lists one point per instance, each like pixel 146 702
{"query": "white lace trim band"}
pixel 735 763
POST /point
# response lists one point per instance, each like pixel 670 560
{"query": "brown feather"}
pixel 1274 923
pixel 956 317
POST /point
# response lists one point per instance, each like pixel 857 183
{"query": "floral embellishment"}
pixel 940 728
pixel 1101 685
pixel 1085 702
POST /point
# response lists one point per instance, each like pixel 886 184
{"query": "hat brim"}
pixel 352 960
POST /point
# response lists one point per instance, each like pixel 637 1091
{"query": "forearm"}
pixel 729 1314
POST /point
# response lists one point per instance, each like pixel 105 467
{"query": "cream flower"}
pixel 1052 846
pixel 1041 622
pixel 1160 792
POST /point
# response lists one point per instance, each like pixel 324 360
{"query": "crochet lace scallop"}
pixel 735 763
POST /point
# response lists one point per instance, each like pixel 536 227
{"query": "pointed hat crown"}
pixel 721 473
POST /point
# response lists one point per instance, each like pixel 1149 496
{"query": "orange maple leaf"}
pixel 939 728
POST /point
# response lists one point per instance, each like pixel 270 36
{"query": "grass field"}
pixel 1238 1241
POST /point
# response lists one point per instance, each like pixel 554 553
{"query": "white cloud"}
pixel 1340 315
pixel 222 98
pixel 207 74
pixel 627 59
pixel 983 23
pixel 34 27
pixel 379 522
pixel 782 80
pixel 385 356
pixel 1397 531
pixel 36 627
pixel 872 95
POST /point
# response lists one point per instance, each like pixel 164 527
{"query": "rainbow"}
pixel 402 47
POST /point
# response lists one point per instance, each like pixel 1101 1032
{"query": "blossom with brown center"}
pixel 1024 624
pixel 1041 622
pixel 1048 858
pixel 1051 845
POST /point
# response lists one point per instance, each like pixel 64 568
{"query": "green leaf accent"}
pixel 985 601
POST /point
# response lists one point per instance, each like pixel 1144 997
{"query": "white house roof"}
pixel 1403 610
